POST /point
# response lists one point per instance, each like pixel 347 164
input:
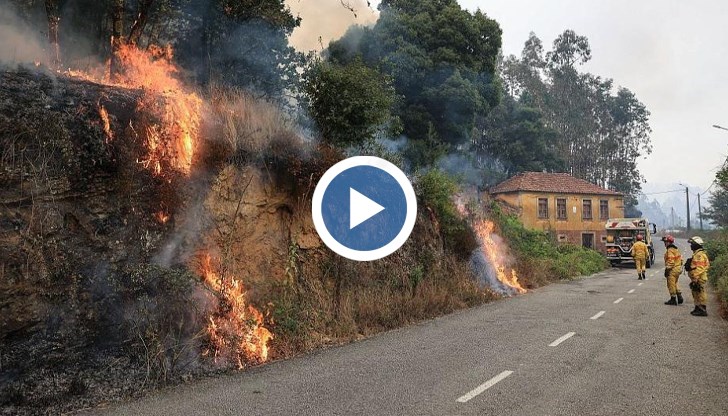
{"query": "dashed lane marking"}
pixel 618 300
pixel 640 284
pixel 598 315
pixel 631 291
pixel 562 339
pixel 485 386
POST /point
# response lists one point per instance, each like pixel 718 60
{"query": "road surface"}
pixel 604 345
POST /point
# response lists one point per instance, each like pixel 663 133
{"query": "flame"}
pixel 162 217
pixel 494 253
pixel 106 123
pixel 178 110
pixel 236 330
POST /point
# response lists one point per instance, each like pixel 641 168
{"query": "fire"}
pixel 495 254
pixel 162 217
pixel 106 123
pixel 236 330
pixel 179 111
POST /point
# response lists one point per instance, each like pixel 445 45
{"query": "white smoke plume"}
pixel 19 43
pixel 325 20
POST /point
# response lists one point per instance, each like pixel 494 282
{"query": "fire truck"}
pixel 622 233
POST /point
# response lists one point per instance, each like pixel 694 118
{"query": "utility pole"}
pixel 687 204
pixel 700 213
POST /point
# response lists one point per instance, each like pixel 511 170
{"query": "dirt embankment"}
pixel 102 259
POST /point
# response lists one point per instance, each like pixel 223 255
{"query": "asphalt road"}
pixel 604 345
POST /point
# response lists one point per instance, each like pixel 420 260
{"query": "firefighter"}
pixel 673 269
pixel 697 268
pixel 640 253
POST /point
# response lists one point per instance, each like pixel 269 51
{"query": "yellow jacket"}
pixel 699 265
pixel 673 258
pixel 639 250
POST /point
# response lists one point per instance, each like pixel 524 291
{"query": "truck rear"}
pixel 622 234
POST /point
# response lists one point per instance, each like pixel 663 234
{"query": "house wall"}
pixel 571 229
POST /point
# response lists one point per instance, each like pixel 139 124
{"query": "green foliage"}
pixel 518 137
pixel 717 249
pixel 442 61
pixel 717 211
pixel 436 190
pixel 542 254
pixel 600 135
pixel 349 103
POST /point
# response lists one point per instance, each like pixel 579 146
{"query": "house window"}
pixel 587 240
pixel 563 238
pixel 586 210
pixel 561 208
pixel 543 208
pixel 604 209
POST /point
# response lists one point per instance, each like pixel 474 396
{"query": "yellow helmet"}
pixel 696 240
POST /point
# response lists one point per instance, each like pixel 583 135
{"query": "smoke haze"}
pixel 325 20
pixel 19 43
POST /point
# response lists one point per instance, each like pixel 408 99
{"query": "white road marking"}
pixel 640 284
pixel 562 339
pixel 485 386
pixel 598 315
pixel 618 300
pixel 631 291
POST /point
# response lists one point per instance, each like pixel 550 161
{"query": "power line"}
pixel 664 192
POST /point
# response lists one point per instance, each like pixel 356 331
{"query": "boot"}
pixel 672 301
pixel 680 299
pixel 700 310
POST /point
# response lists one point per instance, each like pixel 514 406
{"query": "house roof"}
pixel 558 183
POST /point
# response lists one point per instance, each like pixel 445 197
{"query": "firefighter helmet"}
pixel 669 239
pixel 639 237
pixel 697 240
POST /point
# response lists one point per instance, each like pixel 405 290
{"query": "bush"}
pixel 545 259
pixel 435 188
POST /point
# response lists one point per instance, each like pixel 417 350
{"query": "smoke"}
pixel 325 20
pixel 189 225
pixel 485 271
pixel 19 43
pixel 463 168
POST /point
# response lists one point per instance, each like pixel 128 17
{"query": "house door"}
pixel 587 240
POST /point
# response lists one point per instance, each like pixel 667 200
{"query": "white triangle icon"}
pixel 361 208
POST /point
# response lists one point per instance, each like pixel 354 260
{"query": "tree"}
pixel 600 135
pixel 442 61
pixel 243 43
pixel 717 212
pixel 516 135
pixel 349 103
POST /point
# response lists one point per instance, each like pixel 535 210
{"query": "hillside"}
pixel 124 269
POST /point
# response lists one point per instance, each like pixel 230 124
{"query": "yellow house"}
pixel 573 209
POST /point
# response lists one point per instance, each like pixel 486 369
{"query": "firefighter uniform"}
pixel 673 269
pixel 697 268
pixel 640 253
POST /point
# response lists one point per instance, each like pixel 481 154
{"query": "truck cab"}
pixel 622 233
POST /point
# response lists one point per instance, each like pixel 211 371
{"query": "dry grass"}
pixel 246 124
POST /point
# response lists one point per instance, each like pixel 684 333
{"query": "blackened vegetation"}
pixel 78 304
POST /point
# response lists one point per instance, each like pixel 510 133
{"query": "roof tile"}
pixel 559 183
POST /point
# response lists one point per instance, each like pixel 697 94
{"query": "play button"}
pixel 364 208
pixel 361 208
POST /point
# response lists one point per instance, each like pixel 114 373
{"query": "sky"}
pixel 672 54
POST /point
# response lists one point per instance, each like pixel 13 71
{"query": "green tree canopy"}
pixel 441 59
pixel 350 102
pixel 601 135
